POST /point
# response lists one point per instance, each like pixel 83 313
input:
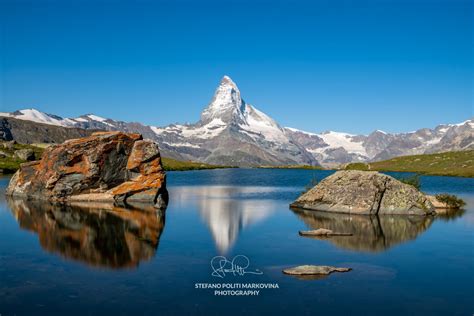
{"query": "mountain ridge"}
pixel 233 132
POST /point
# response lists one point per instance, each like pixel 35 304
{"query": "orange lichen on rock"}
pixel 104 166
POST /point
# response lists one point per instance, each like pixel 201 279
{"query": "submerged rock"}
pixel 104 167
pixel 365 192
pixel 322 232
pixel 314 270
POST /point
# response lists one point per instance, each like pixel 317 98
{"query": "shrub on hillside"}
pixel 357 166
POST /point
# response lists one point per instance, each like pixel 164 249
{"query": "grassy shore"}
pixel 456 163
pixel 9 163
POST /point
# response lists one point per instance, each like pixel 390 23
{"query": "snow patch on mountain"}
pixel 96 118
pixel 259 123
pixel 206 131
pixel 300 131
pixel 181 144
pixel 39 117
pixel 344 140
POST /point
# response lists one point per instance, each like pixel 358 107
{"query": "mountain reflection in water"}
pixel 369 233
pixel 99 235
pixel 227 209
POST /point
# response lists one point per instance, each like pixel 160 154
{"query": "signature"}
pixel 221 265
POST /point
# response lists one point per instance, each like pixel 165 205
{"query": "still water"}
pixel 90 260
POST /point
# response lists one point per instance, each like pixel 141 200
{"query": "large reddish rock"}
pixel 104 167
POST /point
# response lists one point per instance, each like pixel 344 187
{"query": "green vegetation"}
pixel 413 181
pixel 357 166
pixel 177 165
pixel 455 163
pixel 451 200
pixel 8 162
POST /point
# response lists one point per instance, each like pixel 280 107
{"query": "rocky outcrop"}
pixel 365 192
pixel 29 132
pixel 25 154
pixel 443 202
pixel 104 167
pixel 438 204
pixel 9 145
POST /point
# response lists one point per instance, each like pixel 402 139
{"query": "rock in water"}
pixel 106 167
pixel 364 192
pixel 314 270
pixel 322 232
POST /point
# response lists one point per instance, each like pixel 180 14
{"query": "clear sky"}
pixel 314 65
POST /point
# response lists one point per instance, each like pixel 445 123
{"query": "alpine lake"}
pixel 102 260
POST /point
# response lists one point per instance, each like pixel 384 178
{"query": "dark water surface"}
pixel 99 260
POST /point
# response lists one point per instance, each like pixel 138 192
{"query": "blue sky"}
pixel 314 65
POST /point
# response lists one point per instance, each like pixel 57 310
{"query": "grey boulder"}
pixel 25 154
pixel 365 192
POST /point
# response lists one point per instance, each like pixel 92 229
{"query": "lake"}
pixel 91 260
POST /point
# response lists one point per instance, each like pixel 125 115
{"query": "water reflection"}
pixel 227 210
pixel 450 214
pixel 97 234
pixel 369 233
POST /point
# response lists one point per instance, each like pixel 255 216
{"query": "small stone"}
pixel 322 232
pixel 10 145
pixel 25 154
pixel 314 270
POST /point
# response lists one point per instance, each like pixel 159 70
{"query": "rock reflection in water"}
pixel 227 209
pixel 369 233
pixel 100 235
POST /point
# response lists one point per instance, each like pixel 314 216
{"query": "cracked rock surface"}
pixel 112 167
pixel 364 192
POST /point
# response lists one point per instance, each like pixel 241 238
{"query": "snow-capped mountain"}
pixel 34 115
pixel 233 132
pixel 335 148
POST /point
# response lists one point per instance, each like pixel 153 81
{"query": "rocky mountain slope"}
pixel 336 148
pixel 30 132
pixel 233 132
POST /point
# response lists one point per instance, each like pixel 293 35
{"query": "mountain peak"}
pixel 226 81
pixel 226 104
